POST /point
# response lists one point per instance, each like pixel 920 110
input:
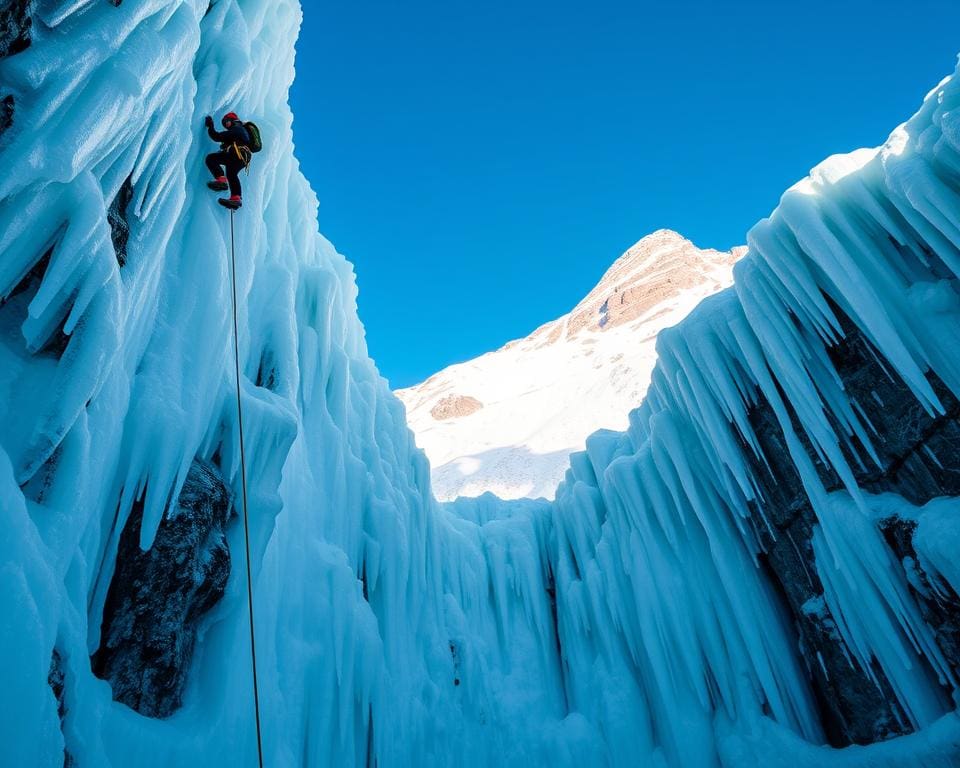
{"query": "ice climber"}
pixel 238 141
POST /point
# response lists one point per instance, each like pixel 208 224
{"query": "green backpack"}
pixel 255 144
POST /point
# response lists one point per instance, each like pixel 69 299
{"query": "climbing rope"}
pixel 243 480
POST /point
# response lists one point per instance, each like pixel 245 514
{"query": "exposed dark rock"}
pixel 919 458
pixel 907 433
pixel 267 375
pixel 117 217
pixel 939 604
pixel 16 21
pixel 42 480
pixel 455 656
pixel 56 679
pixel 157 598
pixel 853 708
pixel 551 590
pixel 13 309
pixel 7 107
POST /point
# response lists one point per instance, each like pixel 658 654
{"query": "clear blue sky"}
pixel 482 163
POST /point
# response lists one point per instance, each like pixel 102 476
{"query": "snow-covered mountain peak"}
pixel 508 420
pixel 659 267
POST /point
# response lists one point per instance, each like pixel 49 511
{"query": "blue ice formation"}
pixel 760 572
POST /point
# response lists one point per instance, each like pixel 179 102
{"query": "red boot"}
pixel 233 202
pixel 218 184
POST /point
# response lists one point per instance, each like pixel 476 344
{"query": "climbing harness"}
pixel 243 157
pixel 243 481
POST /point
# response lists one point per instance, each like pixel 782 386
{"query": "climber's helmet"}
pixel 229 119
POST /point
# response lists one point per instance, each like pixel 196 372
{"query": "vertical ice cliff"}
pixel 378 638
pixel 762 565
pixel 798 437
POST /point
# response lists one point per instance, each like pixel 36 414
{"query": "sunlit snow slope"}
pixel 760 571
pixel 508 421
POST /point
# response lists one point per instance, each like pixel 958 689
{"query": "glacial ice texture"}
pixel 760 571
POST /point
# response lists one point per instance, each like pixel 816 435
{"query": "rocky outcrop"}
pixel 919 460
pixel 660 267
pixel 939 603
pixel 455 406
pixel 117 218
pixel 16 21
pixel 157 598
pixel 853 708
pixel 56 679
pixel 7 108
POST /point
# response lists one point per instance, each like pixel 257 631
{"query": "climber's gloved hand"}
pixel 208 121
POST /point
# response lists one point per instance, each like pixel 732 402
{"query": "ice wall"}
pixel 750 552
pixel 381 628
pixel 637 619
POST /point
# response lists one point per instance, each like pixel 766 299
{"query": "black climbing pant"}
pixel 226 159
